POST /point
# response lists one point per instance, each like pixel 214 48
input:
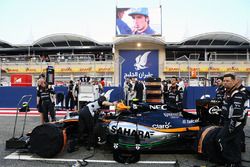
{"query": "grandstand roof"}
pixel 217 39
pixel 4 44
pixel 139 38
pixel 65 40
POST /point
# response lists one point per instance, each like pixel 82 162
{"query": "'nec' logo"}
pixel 141 61
pixel 158 107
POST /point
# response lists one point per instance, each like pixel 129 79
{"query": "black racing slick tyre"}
pixel 47 140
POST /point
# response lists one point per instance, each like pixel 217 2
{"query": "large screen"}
pixel 138 21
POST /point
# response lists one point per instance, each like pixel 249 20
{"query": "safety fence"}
pixel 9 96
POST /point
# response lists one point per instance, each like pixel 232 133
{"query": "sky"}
pixel 25 21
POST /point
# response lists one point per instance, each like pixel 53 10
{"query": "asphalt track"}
pixel 102 157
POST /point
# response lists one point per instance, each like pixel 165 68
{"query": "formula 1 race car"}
pixel 128 130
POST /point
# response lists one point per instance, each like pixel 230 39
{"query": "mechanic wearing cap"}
pixel 234 117
pixel 141 21
pixel 121 27
pixel 87 119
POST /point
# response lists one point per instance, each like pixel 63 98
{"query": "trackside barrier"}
pixel 9 96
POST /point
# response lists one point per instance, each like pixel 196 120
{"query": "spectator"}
pixel 138 88
pixel 102 82
pixel 75 93
pixel 127 87
pixel 132 93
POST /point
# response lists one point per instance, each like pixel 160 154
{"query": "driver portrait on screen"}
pixel 121 26
pixel 141 21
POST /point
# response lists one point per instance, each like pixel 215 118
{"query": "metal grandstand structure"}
pixel 209 49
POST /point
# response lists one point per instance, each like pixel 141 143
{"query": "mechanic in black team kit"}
pixel 174 96
pixel 87 119
pixel 220 90
pixel 234 117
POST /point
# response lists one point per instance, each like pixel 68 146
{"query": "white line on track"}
pixel 19 156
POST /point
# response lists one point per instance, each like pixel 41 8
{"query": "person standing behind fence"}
pixel 70 96
pixel 165 90
pixel 138 88
pixel 76 92
pixel 127 86
pixel 132 92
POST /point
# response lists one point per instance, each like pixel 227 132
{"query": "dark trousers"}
pixel 231 144
pixel 70 98
pixel 48 108
pixel 86 125
pixel 165 98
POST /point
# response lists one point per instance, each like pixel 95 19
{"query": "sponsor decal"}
pixel 189 121
pixel 30 70
pixel 214 69
pixel 10 70
pixel 139 63
pixel 233 69
pixel 172 115
pixel 167 125
pixel 104 69
pixel 68 69
pixel 85 69
pixel 214 110
pixel 158 107
pixel 141 75
pixel 130 132
pixel 18 80
pixel 173 69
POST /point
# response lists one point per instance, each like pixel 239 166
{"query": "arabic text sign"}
pixel 139 63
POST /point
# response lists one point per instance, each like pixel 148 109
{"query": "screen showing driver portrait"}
pixel 138 21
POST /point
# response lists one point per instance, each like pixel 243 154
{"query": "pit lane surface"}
pixel 102 157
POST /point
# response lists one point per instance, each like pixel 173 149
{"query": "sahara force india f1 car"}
pixel 130 131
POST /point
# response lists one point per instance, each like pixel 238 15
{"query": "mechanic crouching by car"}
pixel 174 96
pixel 46 100
pixel 233 120
pixel 87 119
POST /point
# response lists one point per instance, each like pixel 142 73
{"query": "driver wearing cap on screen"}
pixel 141 21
